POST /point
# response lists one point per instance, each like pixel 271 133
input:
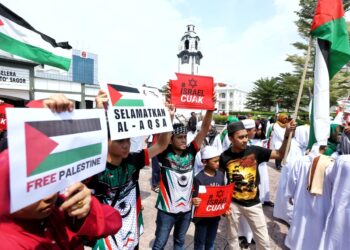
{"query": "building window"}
pixel 231 94
pixel 223 106
pixel 187 44
pixel 222 95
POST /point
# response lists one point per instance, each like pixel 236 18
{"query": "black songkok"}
pixel 234 127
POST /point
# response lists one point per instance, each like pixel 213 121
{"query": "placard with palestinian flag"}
pixel 50 151
pixel 135 111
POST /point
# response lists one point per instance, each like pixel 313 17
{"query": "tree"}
pixel 264 94
pixel 288 88
pixel 340 83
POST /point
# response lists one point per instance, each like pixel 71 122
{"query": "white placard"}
pixel 202 189
pixel 135 111
pixel 50 151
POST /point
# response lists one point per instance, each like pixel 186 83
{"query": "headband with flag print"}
pixel 179 128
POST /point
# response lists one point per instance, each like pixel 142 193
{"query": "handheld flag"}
pixel 332 53
pixel 19 38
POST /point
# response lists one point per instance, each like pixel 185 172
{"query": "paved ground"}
pixel 277 230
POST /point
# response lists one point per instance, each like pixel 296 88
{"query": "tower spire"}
pixel 189 55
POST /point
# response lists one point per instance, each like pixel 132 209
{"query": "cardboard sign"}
pixel 3 122
pixel 135 111
pixel 215 200
pixel 192 92
pixel 50 151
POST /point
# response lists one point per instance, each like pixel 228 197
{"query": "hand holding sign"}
pixel 101 99
pixel 58 103
pixel 77 203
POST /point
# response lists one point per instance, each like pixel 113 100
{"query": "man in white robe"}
pixel 310 211
pixel 337 227
pixel 283 209
pixel 277 133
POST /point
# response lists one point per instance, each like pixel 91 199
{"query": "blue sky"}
pixel 137 40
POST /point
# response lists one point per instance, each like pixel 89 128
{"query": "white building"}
pixel 230 98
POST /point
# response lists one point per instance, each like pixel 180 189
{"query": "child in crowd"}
pixel 118 185
pixel 206 228
pixel 57 221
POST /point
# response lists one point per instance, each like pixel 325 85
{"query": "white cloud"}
pixel 260 51
pixel 137 41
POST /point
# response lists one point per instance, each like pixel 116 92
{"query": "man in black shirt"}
pixel 240 163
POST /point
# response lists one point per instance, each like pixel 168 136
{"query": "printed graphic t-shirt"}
pixel 176 179
pixel 118 187
pixel 242 170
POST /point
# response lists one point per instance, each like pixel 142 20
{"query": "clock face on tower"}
pixel 185 59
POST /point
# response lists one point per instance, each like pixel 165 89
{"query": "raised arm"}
pixel 205 125
pixel 164 138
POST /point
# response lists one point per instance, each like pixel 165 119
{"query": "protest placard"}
pixel 215 200
pixel 50 151
pixel 192 92
pixel 135 111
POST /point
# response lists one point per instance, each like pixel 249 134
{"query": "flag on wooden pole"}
pixel 332 53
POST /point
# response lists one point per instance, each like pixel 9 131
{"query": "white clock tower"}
pixel 189 52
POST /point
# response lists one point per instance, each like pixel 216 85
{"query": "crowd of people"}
pixel 105 211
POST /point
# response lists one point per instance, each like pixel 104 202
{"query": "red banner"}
pixel 3 122
pixel 215 200
pixel 192 92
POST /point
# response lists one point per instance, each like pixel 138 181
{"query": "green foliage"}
pixel 285 87
pixel 220 119
pixel 263 96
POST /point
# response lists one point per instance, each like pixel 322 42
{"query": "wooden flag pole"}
pixel 299 98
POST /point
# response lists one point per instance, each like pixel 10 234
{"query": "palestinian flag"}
pixel 332 53
pixel 46 143
pixel 19 38
pixel 125 96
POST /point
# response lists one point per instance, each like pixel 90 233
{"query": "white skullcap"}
pixel 248 123
pixel 209 152
pixel 346 106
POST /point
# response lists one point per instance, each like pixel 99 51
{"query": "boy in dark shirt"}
pixel 241 165
pixel 206 228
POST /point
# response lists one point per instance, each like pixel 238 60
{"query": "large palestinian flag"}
pixel 332 53
pixel 19 38
pixel 122 95
pixel 45 147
